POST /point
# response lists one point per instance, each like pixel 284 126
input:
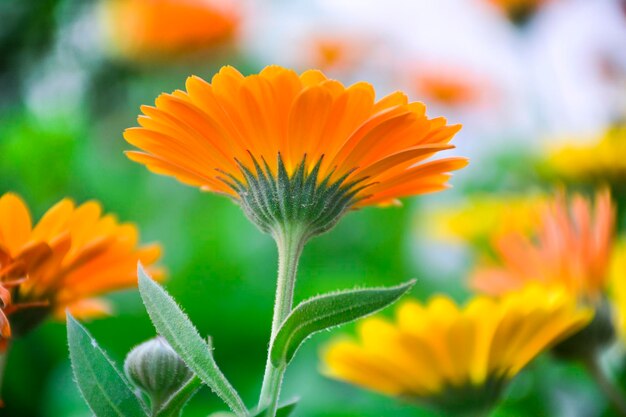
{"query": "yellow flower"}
pixel 481 217
pixel 145 29
pixel 294 148
pixel 618 286
pixel 71 256
pixel 596 161
pixel 455 358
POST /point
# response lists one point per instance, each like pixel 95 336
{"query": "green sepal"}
pixel 326 311
pixel 103 387
pixel 273 200
pixel 174 325
pixel 174 405
pixel 284 410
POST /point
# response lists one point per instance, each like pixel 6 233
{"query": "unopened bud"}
pixel 156 369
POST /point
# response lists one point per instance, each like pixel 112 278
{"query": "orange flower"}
pixel 71 256
pixel 165 27
pixel 572 247
pixel 236 131
pixel 518 11
pixel 447 87
pixel 339 52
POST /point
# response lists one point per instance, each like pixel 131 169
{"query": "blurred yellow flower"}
pixel 596 162
pixel 455 358
pixel 146 29
pixel 571 246
pixel 482 216
pixel 70 256
pixel 618 286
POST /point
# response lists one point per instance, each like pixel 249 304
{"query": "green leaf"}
pixel 103 387
pixel 326 311
pixel 177 401
pixel 284 410
pixel 171 323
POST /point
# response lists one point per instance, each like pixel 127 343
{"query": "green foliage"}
pixel 284 410
pixel 175 404
pixel 101 384
pixel 171 323
pixel 326 311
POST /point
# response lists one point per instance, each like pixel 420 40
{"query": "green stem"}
pixel 290 241
pixel 3 363
pixel 606 386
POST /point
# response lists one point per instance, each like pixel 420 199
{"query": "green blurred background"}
pixel 66 99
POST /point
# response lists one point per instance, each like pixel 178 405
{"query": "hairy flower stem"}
pixel 615 397
pixel 290 241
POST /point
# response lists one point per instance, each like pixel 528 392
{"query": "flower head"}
pixel 294 148
pixel 618 286
pixel 481 217
pixel 447 87
pixel 73 254
pixel 571 247
pixel 160 28
pixel 592 162
pixel 518 12
pixel 455 358
pixel 336 52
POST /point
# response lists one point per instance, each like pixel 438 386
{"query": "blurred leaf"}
pixel 326 311
pixel 175 404
pixel 171 323
pixel 101 384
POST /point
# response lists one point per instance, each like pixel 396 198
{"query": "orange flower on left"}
pixel 161 29
pixel 70 257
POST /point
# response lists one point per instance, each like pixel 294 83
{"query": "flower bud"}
pixel 156 369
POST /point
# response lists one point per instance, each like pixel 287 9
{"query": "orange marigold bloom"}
pixel 518 11
pixel 253 137
pixel 336 52
pixel 165 27
pixel 572 247
pixel 447 87
pixel 70 256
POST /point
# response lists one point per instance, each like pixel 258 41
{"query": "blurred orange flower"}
pixel 156 28
pixel 572 247
pixel 335 53
pixel 223 128
pixel 70 256
pixel 447 87
pixel 518 11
